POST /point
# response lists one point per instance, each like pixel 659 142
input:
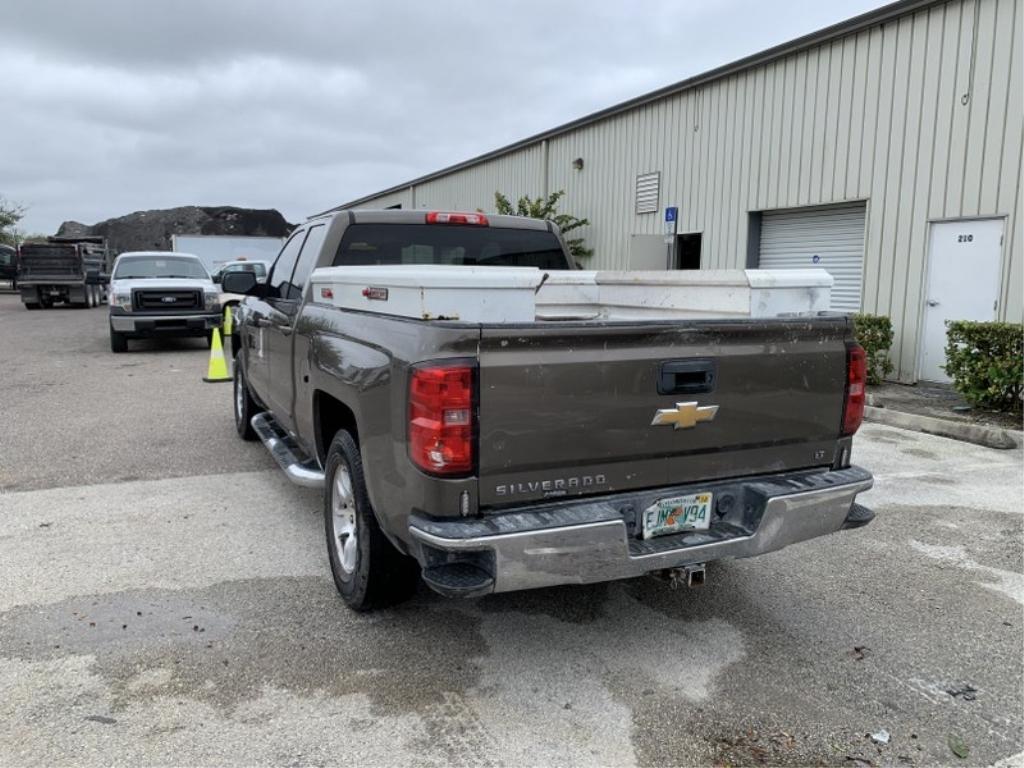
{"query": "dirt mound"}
pixel 152 230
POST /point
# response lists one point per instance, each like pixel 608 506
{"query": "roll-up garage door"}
pixel 830 237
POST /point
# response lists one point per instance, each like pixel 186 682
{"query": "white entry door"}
pixel 964 259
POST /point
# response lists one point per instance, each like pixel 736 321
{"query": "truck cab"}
pixel 9 265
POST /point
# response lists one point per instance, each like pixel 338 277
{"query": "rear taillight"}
pixel 471 219
pixel 856 381
pixel 441 418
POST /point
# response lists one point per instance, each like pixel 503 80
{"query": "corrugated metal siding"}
pixel 792 238
pixel 403 198
pixel 920 116
pixel 514 175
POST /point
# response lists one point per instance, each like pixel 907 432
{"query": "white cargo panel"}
pixel 824 237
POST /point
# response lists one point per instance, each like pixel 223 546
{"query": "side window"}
pixel 307 260
pixel 282 271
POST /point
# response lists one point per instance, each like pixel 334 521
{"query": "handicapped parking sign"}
pixel 671 217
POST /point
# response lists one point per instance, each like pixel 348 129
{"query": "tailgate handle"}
pixel 686 377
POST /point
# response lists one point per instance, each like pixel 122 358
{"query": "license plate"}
pixel 679 513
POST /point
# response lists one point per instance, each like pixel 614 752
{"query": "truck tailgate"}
pixel 567 409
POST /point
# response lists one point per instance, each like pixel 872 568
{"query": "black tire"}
pixel 209 339
pixel 379 574
pixel 32 305
pixel 243 406
pixel 118 342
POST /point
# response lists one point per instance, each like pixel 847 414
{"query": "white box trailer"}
pixel 217 250
pixel 527 294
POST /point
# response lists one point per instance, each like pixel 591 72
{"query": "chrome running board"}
pixel 286 452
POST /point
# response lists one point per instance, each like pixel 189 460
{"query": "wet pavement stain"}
pixel 216 645
pixel 582 604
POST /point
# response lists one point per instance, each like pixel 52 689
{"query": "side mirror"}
pixel 240 282
pixel 216 279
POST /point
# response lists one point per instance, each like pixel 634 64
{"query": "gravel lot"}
pixel 166 601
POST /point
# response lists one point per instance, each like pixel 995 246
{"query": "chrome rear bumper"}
pixel 531 548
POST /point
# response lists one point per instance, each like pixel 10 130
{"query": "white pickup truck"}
pixel 161 293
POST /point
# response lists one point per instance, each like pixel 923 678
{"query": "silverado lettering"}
pixel 549 486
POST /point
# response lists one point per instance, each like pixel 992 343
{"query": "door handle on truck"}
pixel 686 377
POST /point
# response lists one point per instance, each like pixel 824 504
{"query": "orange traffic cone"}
pixel 218 368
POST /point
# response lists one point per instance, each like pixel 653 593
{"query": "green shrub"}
pixel 874 333
pixel 986 363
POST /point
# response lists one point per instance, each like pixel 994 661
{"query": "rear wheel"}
pixel 245 406
pixel 368 571
pixel 32 305
pixel 118 341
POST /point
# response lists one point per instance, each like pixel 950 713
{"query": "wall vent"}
pixel 647 187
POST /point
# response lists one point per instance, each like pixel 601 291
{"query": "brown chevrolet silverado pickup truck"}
pixel 494 456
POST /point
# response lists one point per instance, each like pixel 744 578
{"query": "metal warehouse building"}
pixel 886 149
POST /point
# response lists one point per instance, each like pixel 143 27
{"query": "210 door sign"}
pixel 964 238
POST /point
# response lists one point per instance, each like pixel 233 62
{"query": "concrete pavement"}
pixel 166 601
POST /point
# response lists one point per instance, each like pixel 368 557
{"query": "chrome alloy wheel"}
pixel 343 510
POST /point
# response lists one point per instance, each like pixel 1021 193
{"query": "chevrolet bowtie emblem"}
pixel 684 415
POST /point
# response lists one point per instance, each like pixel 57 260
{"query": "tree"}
pixel 10 215
pixel 547 209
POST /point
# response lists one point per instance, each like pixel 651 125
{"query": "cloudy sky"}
pixel 113 106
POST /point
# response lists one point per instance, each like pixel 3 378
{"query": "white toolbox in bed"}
pixel 432 291
pixel 527 294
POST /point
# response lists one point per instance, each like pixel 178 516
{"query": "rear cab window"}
pixel 379 244
pixel 257 268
